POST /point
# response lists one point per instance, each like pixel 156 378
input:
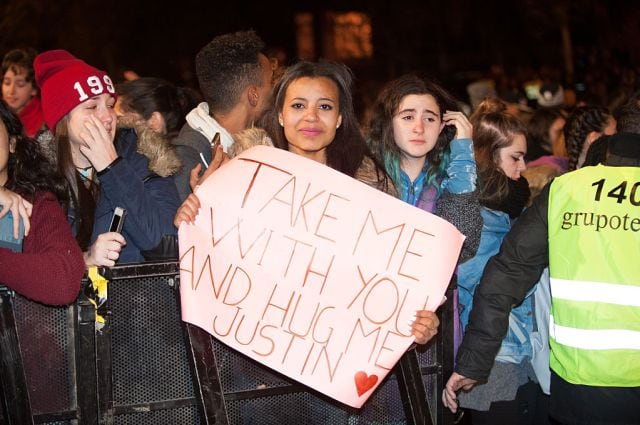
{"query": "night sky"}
pixel 455 41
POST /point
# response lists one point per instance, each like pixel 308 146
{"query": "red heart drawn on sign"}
pixel 364 382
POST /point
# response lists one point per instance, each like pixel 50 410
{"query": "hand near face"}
pixel 464 129
pixel 105 250
pixel 456 383
pixel 20 209
pixel 97 143
pixel 219 158
pixel 425 326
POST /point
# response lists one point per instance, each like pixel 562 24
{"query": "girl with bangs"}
pixel 424 141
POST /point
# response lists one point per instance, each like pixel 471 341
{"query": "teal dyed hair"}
pixel 381 140
pixel 435 174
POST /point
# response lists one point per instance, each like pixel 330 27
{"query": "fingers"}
pixel 96 129
pixel 217 156
pixel 20 210
pixel 464 129
pixel 425 326
pixel 449 397
pixel 24 212
pixel 188 210
pixel 194 177
pixel 455 383
pixel 97 143
pixel 450 402
pixel 218 159
pixel 105 251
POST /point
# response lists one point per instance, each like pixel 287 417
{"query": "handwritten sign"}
pixel 310 272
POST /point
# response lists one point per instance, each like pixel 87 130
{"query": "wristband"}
pixel 108 167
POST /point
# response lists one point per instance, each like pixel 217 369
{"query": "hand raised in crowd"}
pixel 20 209
pixel 188 210
pixel 98 143
pixel 105 251
pixel 464 129
pixel 218 159
pixel 425 326
pixel 455 383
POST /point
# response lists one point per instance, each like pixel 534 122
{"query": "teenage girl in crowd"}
pixel 102 170
pixel 417 131
pixel 424 142
pixel 311 114
pixel 50 267
pixel 511 394
pixel 20 91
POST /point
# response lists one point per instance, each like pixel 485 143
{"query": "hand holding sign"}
pixel 312 273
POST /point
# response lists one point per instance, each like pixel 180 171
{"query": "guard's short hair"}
pixel 226 66
pixel 628 115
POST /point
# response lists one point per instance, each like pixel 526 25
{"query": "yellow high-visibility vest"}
pixel 594 264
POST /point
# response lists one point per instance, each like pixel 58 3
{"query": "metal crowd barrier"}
pixel 145 366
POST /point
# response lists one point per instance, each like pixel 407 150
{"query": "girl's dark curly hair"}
pixel 29 170
pixel 582 121
pixel 382 142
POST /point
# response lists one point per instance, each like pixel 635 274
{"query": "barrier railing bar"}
pixel 206 379
pixel 13 382
pixel 86 375
pixel 42 418
pixel 123 409
pixel 444 353
pixel 414 395
pixel 431 370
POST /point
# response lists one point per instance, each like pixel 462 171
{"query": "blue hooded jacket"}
pixel 150 201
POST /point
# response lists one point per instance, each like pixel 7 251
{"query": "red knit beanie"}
pixel 65 82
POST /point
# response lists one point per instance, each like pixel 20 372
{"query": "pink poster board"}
pixel 310 272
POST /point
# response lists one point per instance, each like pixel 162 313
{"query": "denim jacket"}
pixel 516 345
pixel 461 176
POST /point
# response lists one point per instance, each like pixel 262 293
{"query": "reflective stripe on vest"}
pixel 594 263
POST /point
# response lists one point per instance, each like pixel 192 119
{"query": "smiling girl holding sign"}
pixel 102 170
pixel 311 114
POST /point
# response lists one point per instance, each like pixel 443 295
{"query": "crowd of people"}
pixel 546 198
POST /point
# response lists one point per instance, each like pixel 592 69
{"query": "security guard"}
pixel 585 226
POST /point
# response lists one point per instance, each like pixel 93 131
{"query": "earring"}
pixel 281 123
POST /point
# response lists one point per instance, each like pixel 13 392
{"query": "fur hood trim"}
pixel 247 139
pixel 162 157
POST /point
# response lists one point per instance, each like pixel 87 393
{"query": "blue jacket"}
pixel 516 345
pixel 151 201
pixel 461 174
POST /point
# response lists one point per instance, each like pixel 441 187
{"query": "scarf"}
pixel 31 117
pixel 515 201
pixel 200 120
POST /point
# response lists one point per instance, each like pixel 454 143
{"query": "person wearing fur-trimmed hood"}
pixel 103 170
